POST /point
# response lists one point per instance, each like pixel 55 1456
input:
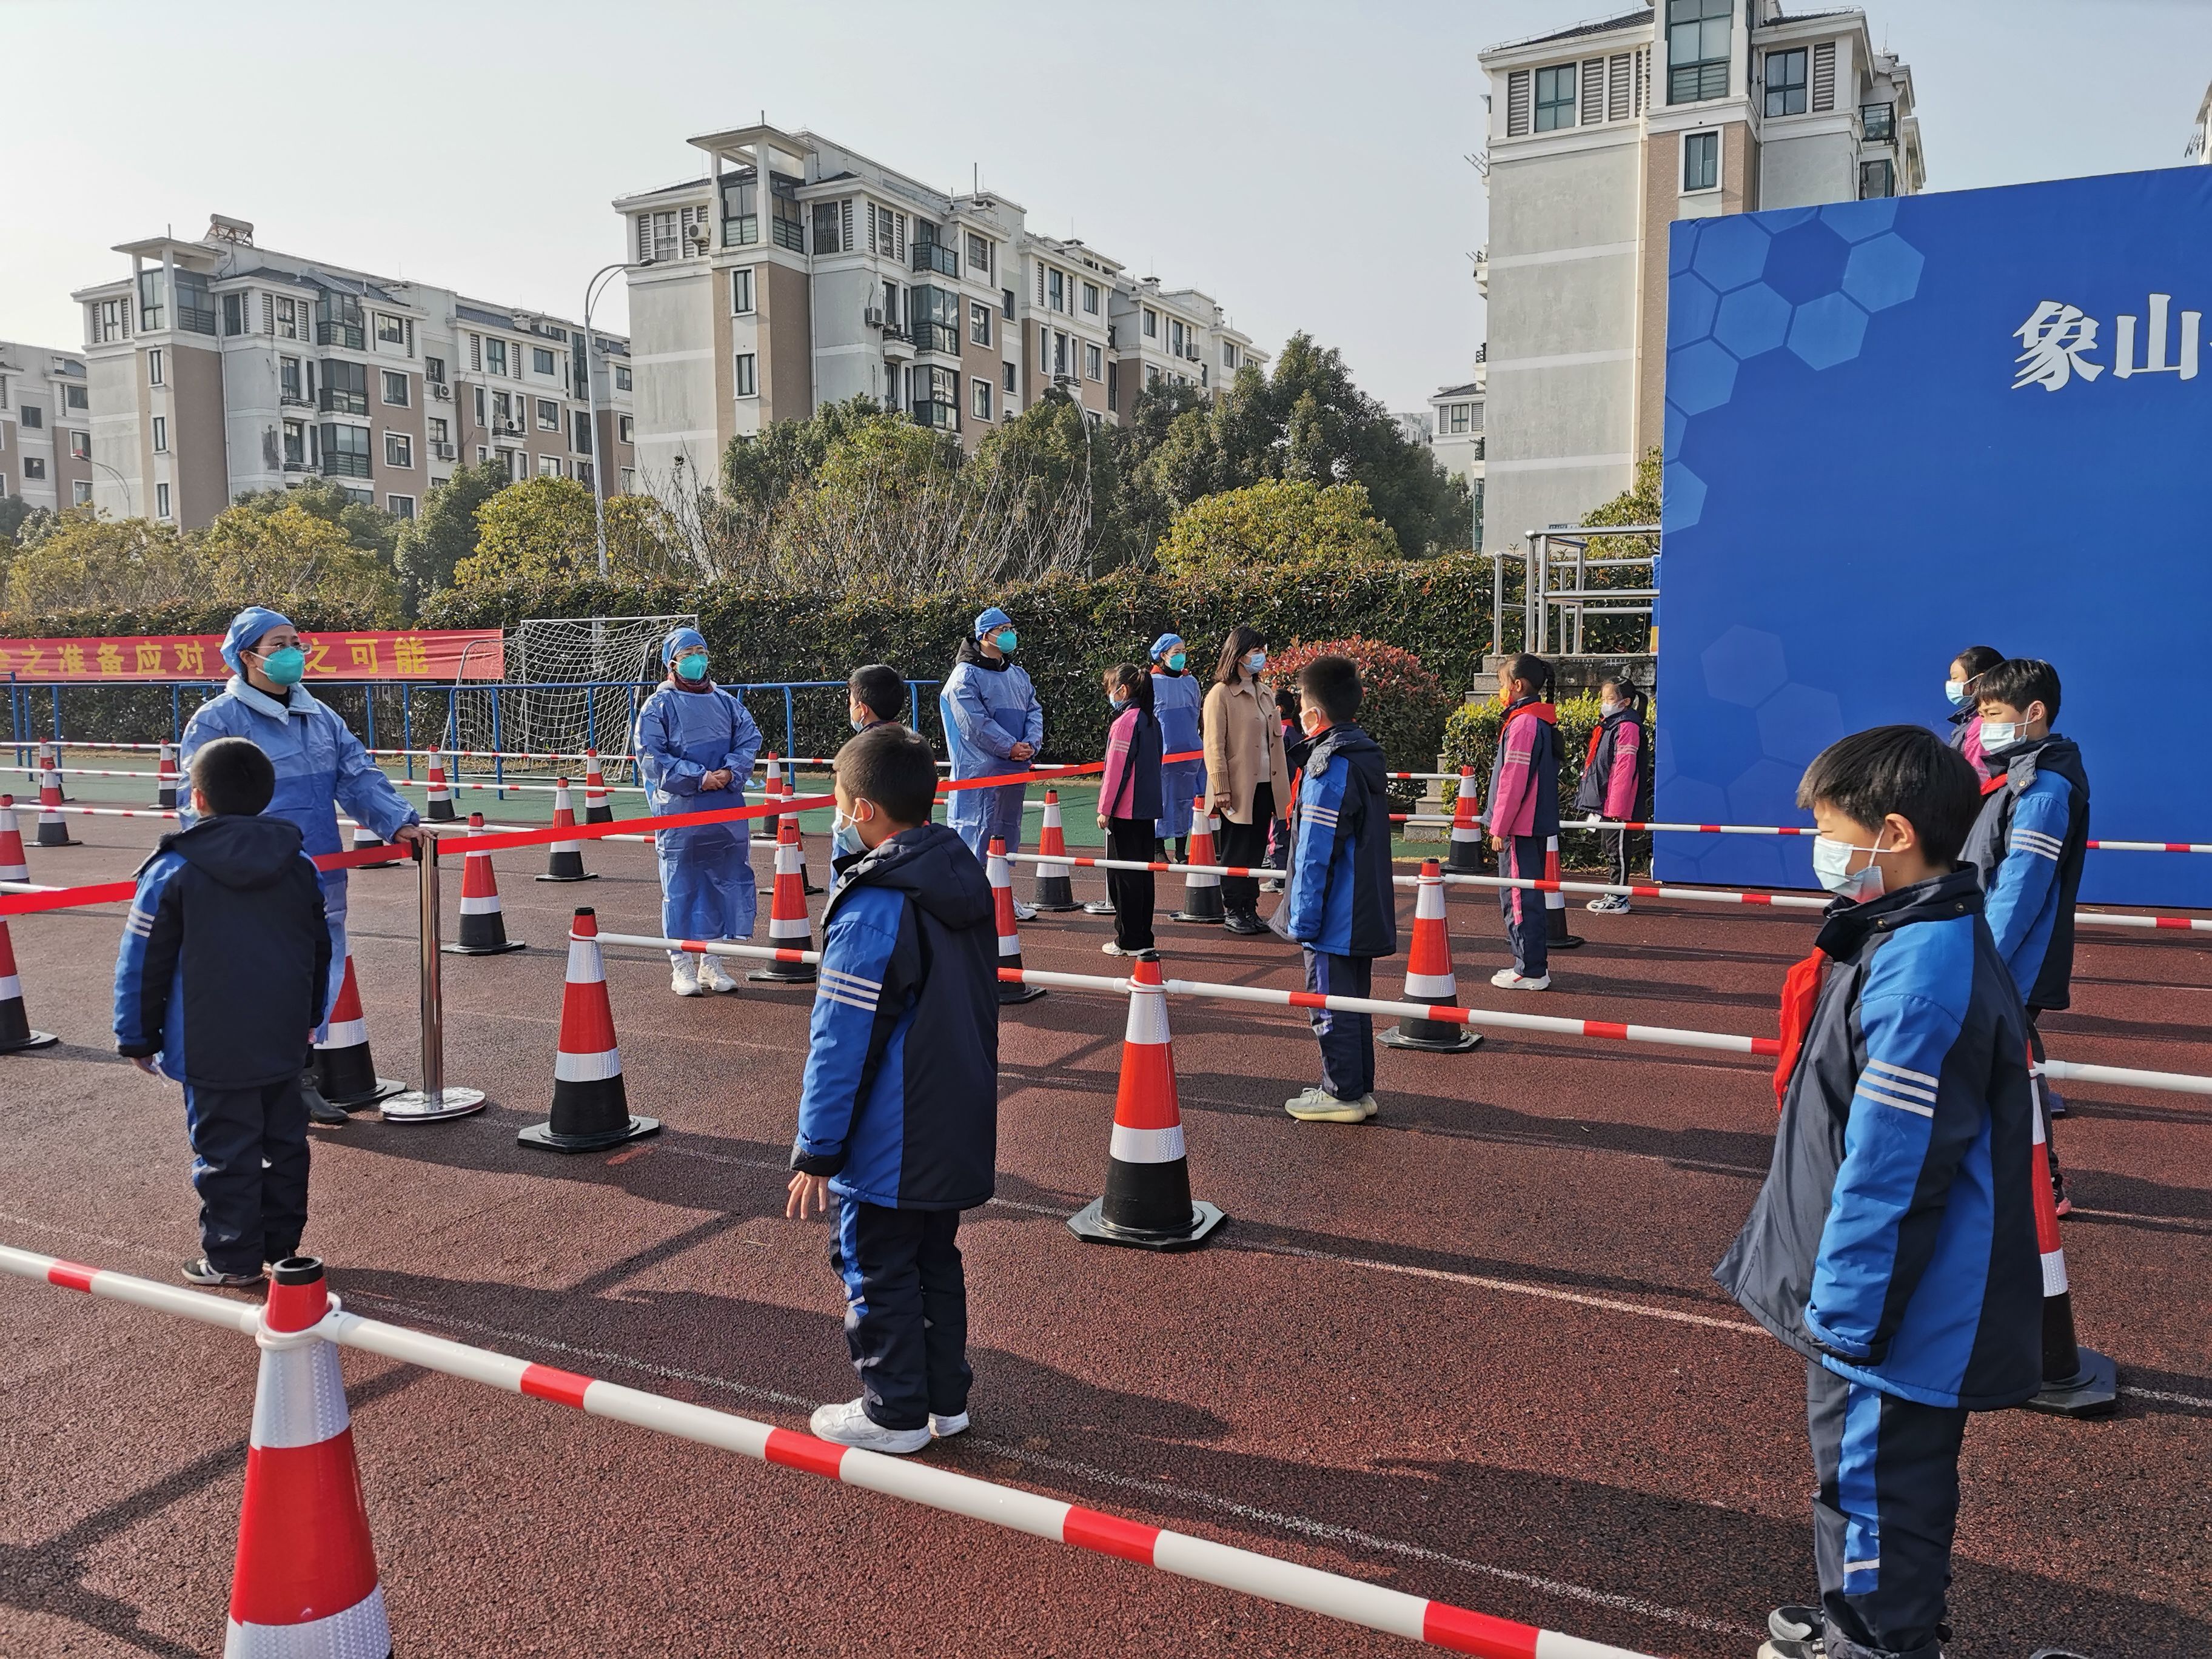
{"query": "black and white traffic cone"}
pixel 15 1032
pixel 1053 891
pixel 165 781
pixel 1000 871
pixel 1469 851
pixel 53 827
pixel 1201 889
pixel 597 809
pixel 590 1109
pixel 345 1072
pixel 484 928
pixel 2077 1382
pixel 438 802
pixel 365 839
pixel 1556 936
pixel 564 859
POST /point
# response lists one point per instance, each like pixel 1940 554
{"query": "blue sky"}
pixel 1301 162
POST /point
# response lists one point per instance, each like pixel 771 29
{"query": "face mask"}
pixel 1256 661
pixel 1608 710
pixel 1999 734
pixel 285 667
pixel 692 666
pixel 1176 659
pixel 1119 703
pixel 1832 859
pixel 858 726
pixel 844 835
pixel 1007 639
pixel 1956 690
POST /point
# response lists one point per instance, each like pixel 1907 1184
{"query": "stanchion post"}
pixel 433 1101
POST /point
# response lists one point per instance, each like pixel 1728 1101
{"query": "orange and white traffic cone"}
pixel 50 760
pixel 1429 976
pixel 165 781
pixel 345 1070
pixel 786 789
pixel 53 827
pixel 438 807
pixel 1053 891
pixel 564 859
pixel 1468 847
pixel 484 928
pixel 1201 892
pixel 365 839
pixel 1556 935
pixel 15 1032
pixel 590 1109
pixel 788 929
pixel 596 808
pixel 2077 1382
pixel 304 1582
pixel 1147 1201
pixel 1001 871
pixel 13 868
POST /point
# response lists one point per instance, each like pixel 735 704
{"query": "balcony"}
pixel 339 401
pixel 297 464
pixel 195 319
pixel 936 336
pixel 788 234
pixel 938 257
pixel 344 466
pixel 292 397
pixel 349 335
pixel 939 413
pixel 740 230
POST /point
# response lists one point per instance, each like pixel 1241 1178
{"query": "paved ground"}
pixel 1470 1349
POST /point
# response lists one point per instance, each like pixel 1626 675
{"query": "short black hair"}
pixel 1136 682
pixel 878 689
pixel 2019 681
pixel 1905 769
pixel 235 777
pixel 892 766
pixel 1332 685
pixel 1286 701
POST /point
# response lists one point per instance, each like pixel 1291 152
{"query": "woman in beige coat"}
pixel 1247 783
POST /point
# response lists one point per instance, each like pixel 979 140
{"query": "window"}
pixel 80 445
pixel 1009 373
pixel 1229 354
pixel 81 492
pixel 548 466
pixel 829 236
pixel 504 416
pixel 434 370
pixel 741 292
pixel 161 501
pixel 1006 303
pixel 476 352
pixel 1785 83
pixel 1877 179
pixel 1878 123
pixel 395 387
pixel 584 474
pixel 1697 50
pixel 1701 162
pixel 740 219
pixel 345 388
pixel 399 449
pixel 481 418
pixel 622 377
pixel 1094 363
pixel 1175 336
pixel 1090 298
pixel 933 319
pixel 195 303
pixel 548 414
pixel 400 507
pixel 290 319
pixel 34 416
pixel 345 451
pixel 783 204
pixel 34 466
pixel 160 433
pixel 979 256
pixel 358 497
pixel 495 356
pixel 978 399
pixel 1151 324
pixel 290 389
pixel 629 481
pixel 391 330
pixel 1455 418
pixel 1056 290
pixel 936 394
pixel 155 367
pixel 624 430
pixel 580 433
pixel 111 320
pixel 439 432
pixel 295 446
pixel 151 293
pixel 748 375
pixel 233 313
pixel 338 321
pixel 541 359
pixel 1555 98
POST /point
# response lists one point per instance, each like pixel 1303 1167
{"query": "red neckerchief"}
pixel 1598 736
pixel 1801 995
pixel 1990 786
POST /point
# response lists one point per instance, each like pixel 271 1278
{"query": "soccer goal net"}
pixel 572 683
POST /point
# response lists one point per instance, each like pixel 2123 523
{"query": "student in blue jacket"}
pixel 898 1114
pixel 1893 1244
pixel 223 971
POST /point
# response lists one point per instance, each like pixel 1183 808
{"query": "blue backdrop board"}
pixel 1896 429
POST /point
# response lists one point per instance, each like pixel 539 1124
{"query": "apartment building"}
pixel 45 426
pixel 1457 439
pixel 797 272
pixel 216 368
pixel 1599 137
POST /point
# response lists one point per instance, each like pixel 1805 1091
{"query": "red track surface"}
pixel 1470 1349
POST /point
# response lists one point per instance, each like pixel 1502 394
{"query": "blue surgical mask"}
pixel 1999 734
pixel 1119 703
pixel 286 667
pixel 692 665
pixel 1255 660
pixel 858 726
pixel 844 837
pixel 1176 659
pixel 1956 690
pixel 1007 639
pixel 1832 868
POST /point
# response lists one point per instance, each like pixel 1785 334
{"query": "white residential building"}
pixel 45 426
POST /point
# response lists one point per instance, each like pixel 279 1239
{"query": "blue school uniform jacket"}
pixel 1341 900
pixel 900 1105
pixel 2028 844
pixel 1894 1240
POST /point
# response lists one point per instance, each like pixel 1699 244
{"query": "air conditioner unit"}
pixel 442 393
pixel 443 451
pixel 873 317
pixel 696 232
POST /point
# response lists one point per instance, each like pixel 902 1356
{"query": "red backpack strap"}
pixel 1801 995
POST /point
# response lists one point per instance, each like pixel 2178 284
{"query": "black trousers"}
pixel 1131 891
pixel 906 1310
pixel 1523 858
pixel 1883 1515
pixel 249 1214
pixel 1246 844
pixel 1620 858
pixel 1347 1040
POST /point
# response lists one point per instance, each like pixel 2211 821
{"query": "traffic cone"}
pixel 1201 892
pixel 53 827
pixel 1429 974
pixel 2077 1382
pixel 363 839
pixel 788 929
pixel 483 929
pixel 1052 891
pixel 12 865
pixel 596 808
pixel 304 1581
pixel 15 1032
pixel 165 785
pixel 1147 1201
pixel 344 1069
pixel 1556 935
pixel 564 859
pixel 438 808
pixel 590 1110
pixel 50 760
pixel 786 786
pixel 1001 871
pixel 1469 851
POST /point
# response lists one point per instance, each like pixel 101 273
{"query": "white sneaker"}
pixel 1317 1105
pixel 684 979
pixel 714 976
pixel 1114 950
pixel 944 1428
pixel 1025 912
pixel 847 1424
pixel 1613 904
pixel 1509 979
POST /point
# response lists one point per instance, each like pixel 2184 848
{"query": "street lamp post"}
pixel 591 290
pixel 129 504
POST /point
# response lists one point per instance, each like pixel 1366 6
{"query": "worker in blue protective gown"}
pixel 1177 698
pixel 994 727
pixel 318 761
pixel 695 745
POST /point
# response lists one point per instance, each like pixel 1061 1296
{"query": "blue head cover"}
pixel 678 641
pixel 991 622
pixel 246 629
pixel 1165 643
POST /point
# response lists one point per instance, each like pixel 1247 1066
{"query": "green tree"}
pixel 86 562
pixel 759 470
pixel 278 555
pixel 13 511
pixel 368 528
pixel 431 545
pixel 1277 523
pixel 543 529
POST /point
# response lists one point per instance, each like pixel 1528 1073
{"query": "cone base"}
pixel 1216 919
pixel 1564 941
pixel 599 815
pixel 1043 909
pixel 500 949
pixel 541 1134
pixel 1010 994
pixel 1053 893
pixel 440 812
pixel 2093 1391
pixel 64 841
pixel 588 875
pixel 382 1088
pixel 36 1040
pixel 415 1107
pixel 1089 1224
pixel 785 973
pixel 1456 1040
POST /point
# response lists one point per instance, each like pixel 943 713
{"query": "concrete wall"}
pixel 679 331
pixel 1817 167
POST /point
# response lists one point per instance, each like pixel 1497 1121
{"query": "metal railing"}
pixel 1564 549
pixel 935 256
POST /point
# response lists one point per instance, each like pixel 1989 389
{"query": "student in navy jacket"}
pixel 1616 779
pixel 1893 1244
pixel 1339 903
pixel 223 975
pixel 899 1114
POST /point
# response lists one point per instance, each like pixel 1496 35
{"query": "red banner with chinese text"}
pixel 455 654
